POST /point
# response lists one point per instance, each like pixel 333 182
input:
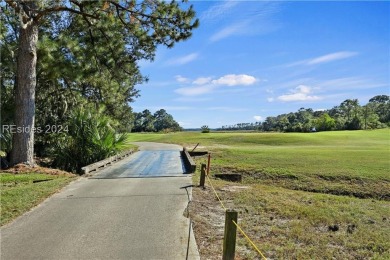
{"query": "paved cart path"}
pixel 153 160
pixel 115 214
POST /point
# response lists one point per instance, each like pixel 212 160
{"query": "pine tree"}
pixel 121 33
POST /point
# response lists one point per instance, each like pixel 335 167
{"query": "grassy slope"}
pixel 19 193
pixel 276 210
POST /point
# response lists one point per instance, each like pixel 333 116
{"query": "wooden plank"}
pixel 188 161
pixel 105 162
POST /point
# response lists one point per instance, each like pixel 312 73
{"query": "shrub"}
pixel 91 137
pixel 205 129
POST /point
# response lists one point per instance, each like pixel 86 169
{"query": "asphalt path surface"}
pixel 115 214
pixel 153 160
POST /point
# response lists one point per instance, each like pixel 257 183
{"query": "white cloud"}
pixel 234 29
pixel 258 118
pixel 303 89
pixel 300 93
pixel 270 99
pixel 243 28
pixel 218 10
pixel 324 59
pixel 202 80
pixel 234 80
pixel 183 59
pixel 257 18
pixel 205 85
pixel 195 91
pixel 181 79
pixel 332 57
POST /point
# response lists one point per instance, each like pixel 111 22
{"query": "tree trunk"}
pixel 23 138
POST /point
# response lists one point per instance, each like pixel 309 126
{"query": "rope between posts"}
pixel 250 240
pixel 239 228
pixel 215 192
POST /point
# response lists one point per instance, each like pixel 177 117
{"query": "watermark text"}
pixel 47 129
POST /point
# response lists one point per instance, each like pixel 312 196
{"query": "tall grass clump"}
pixel 91 136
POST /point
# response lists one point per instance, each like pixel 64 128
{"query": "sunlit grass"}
pixel 345 162
pixel 21 192
pixel 345 138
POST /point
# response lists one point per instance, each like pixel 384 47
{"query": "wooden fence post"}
pixel 202 175
pixel 208 164
pixel 229 239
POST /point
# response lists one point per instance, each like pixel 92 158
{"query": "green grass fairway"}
pixel 355 163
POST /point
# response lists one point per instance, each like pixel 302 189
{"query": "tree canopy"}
pixel 71 53
pixel 145 121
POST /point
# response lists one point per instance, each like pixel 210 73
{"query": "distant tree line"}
pixel 160 121
pixel 349 115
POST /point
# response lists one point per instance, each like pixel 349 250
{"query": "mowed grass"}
pixel 21 192
pixel 304 196
pixel 353 163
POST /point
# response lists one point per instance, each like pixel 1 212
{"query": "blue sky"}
pixel 253 59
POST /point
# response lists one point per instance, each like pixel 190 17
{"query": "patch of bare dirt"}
pixel 208 223
pixel 23 168
pixel 234 188
pixel 208 219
